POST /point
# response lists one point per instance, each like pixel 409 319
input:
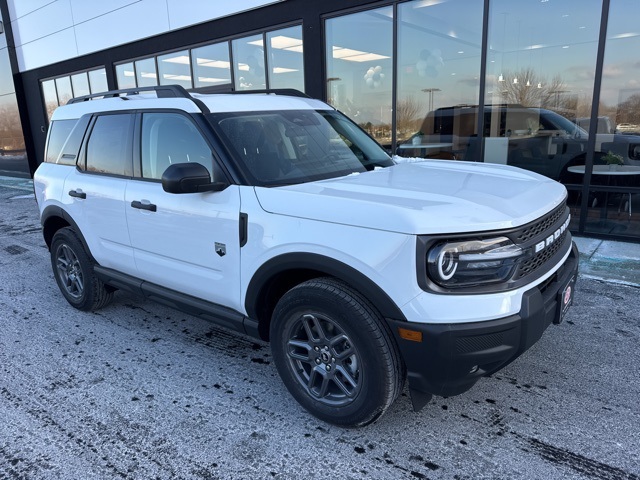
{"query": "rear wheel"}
pixel 73 271
pixel 334 353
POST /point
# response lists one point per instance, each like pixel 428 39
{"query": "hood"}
pixel 426 197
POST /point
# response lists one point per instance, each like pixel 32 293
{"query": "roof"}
pixel 175 97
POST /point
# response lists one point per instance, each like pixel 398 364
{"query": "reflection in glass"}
pixel 438 68
pixel 13 158
pixel 539 82
pixel 50 97
pixel 359 69
pixel 65 92
pixel 284 51
pixel 211 65
pixel 6 79
pixel 80 83
pixel 125 76
pixel 98 80
pixel 174 69
pixel 248 63
pixel 618 129
pixel 146 73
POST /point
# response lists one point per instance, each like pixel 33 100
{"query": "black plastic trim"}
pixel 452 357
pixel 218 314
pixel 292 92
pixel 54 211
pixel 326 266
pixel 244 224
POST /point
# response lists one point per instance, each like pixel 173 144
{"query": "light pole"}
pixel 431 91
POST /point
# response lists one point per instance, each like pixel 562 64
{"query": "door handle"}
pixel 77 193
pixel 144 206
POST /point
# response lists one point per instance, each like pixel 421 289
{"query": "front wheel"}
pixel 334 353
pixel 73 271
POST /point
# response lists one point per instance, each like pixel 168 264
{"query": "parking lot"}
pixel 140 391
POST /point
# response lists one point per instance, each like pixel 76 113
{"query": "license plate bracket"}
pixel 565 299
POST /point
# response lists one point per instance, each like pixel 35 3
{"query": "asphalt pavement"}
pixel 140 391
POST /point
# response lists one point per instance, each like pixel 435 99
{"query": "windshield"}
pixel 554 121
pixel 296 146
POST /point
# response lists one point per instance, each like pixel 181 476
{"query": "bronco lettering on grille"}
pixel 553 237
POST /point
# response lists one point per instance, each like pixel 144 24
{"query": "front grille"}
pixel 534 233
pixel 531 265
pixel 540 226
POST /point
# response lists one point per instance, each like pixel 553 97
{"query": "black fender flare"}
pixel 325 265
pixel 54 211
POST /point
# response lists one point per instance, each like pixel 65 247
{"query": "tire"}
pixel 335 354
pixel 73 271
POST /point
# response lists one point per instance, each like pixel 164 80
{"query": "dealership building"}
pixel 552 86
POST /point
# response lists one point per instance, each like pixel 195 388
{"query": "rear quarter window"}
pixel 59 131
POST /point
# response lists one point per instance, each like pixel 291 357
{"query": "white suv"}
pixel 274 215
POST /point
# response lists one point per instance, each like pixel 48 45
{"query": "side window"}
pixel 58 133
pixel 169 138
pixel 109 146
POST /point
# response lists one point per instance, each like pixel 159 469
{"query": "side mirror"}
pixel 189 178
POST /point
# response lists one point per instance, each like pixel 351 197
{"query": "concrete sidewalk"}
pixel 609 261
pixel 606 260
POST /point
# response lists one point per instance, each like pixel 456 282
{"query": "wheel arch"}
pixel 278 275
pixel 54 218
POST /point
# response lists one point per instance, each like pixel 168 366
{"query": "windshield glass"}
pixel 297 146
pixel 553 121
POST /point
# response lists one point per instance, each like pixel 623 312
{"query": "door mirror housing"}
pixel 189 177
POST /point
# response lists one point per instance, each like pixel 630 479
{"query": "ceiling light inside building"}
pixel 212 80
pixel 181 59
pixel 205 62
pixel 282 42
pixel 356 55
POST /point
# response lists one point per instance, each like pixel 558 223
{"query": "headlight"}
pixel 472 262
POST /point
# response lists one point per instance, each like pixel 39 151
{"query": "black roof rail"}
pixel 162 91
pixel 291 92
pixel 222 89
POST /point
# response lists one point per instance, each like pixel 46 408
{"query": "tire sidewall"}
pixel 66 236
pixel 306 300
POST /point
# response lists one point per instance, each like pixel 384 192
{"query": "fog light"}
pixel 474 369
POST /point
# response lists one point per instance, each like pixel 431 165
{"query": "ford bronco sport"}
pixel 274 215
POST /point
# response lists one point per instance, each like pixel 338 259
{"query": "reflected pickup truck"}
pixel 272 214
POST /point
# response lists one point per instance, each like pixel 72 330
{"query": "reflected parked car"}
pixel 535 139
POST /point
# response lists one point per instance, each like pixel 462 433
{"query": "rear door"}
pixel 95 190
pixel 185 242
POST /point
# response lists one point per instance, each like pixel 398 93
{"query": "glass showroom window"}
pixel 539 81
pixel 98 80
pixel 175 69
pixel 59 91
pixel 248 63
pixel 80 84
pixel 65 92
pixel 211 65
pixel 614 198
pixel 50 97
pixel 125 76
pixel 284 53
pixel 359 69
pixel 438 70
pixel 146 72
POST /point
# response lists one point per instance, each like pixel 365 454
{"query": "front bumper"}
pixel 452 357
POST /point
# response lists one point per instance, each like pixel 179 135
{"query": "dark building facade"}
pixel 552 86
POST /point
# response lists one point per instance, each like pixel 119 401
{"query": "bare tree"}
pixel 629 110
pixel 525 87
pixel 10 129
pixel 408 117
